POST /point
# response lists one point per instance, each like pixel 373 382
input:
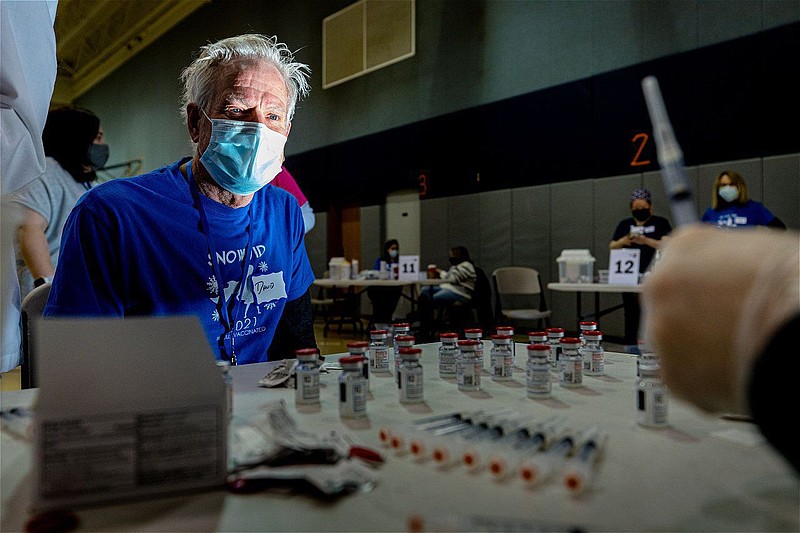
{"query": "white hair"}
pixel 199 78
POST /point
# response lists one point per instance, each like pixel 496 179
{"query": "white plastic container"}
pixel 575 266
pixel 339 268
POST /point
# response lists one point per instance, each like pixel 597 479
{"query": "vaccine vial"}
pixel 508 330
pixel 501 357
pixel 651 395
pixel 468 366
pixel 352 388
pixel 476 334
pixel 554 336
pixel 570 364
pixel 378 351
pixel 593 354
pixel 400 342
pixel 537 373
pixel 361 348
pixel 225 369
pixel 409 384
pixel 586 325
pixel 448 352
pixel 306 376
pixel 398 330
pixel 537 337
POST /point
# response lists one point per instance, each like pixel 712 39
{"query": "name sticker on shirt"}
pixel 269 287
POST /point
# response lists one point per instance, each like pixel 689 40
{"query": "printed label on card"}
pixel 623 266
pixel 408 268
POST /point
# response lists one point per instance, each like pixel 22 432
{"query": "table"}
pixel 696 475
pixel 596 288
pixel 351 303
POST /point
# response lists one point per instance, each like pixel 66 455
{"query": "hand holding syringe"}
pixel 670 156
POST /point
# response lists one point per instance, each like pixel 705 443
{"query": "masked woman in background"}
pixel 73 144
pixel 731 206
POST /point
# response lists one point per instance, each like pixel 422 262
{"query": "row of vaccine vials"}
pixel 503 444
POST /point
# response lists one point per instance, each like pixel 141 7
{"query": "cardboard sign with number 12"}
pixel 623 266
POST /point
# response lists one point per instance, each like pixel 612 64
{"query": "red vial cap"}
pixel 537 334
pixel 351 359
pixel 358 344
pixel 538 348
pixel 404 338
pixel 555 330
pixel 593 333
pixel 378 332
pixel 474 330
pixel 448 335
pixel 501 337
pixel 570 340
pixel 410 351
pixel 468 342
pixel 402 325
pixel 306 351
pixel 504 328
pixel 588 323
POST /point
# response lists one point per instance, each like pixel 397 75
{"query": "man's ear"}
pixel 193 117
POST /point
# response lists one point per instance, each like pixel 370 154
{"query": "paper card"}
pixel 130 407
pixel 408 268
pixel 623 266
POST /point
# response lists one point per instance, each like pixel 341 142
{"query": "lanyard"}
pixel 228 311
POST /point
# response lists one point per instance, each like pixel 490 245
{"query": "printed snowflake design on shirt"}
pixel 215 316
pixel 262 266
pixel 212 286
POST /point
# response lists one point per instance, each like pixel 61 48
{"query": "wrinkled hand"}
pixel 712 304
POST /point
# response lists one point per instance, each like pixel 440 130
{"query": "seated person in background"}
pixel 73 144
pixel 643 231
pixel 286 181
pixel 204 236
pixel 384 299
pixel 731 206
pixel 722 311
pixel 459 287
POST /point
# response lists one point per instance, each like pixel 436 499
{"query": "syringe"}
pixel 538 468
pixel 670 156
pixel 580 469
pixel 522 444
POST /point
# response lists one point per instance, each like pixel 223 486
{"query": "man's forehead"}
pixel 251 82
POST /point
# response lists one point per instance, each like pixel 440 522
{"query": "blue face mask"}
pixel 242 157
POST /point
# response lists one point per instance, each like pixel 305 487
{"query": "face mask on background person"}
pixel 242 157
pixel 393 253
pixel 641 214
pixel 97 155
pixel 729 193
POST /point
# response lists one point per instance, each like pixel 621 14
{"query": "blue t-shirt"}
pixel 136 246
pixel 751 213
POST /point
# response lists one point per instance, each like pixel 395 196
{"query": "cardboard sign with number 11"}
pixel 408 267
pixel 623 266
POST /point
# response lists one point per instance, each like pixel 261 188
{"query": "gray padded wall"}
pixel 317 245
pixel 372 235
pixel 782 188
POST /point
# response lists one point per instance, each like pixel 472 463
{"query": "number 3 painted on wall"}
pixel 423 185
pixel 643 138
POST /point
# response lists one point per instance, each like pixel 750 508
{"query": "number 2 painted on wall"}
pixel 643 138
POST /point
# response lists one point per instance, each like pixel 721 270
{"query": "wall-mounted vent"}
pixel 365 36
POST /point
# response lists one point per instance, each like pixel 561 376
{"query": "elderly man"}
pixel 206 235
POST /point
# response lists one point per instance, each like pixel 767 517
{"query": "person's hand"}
pixel 712 304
